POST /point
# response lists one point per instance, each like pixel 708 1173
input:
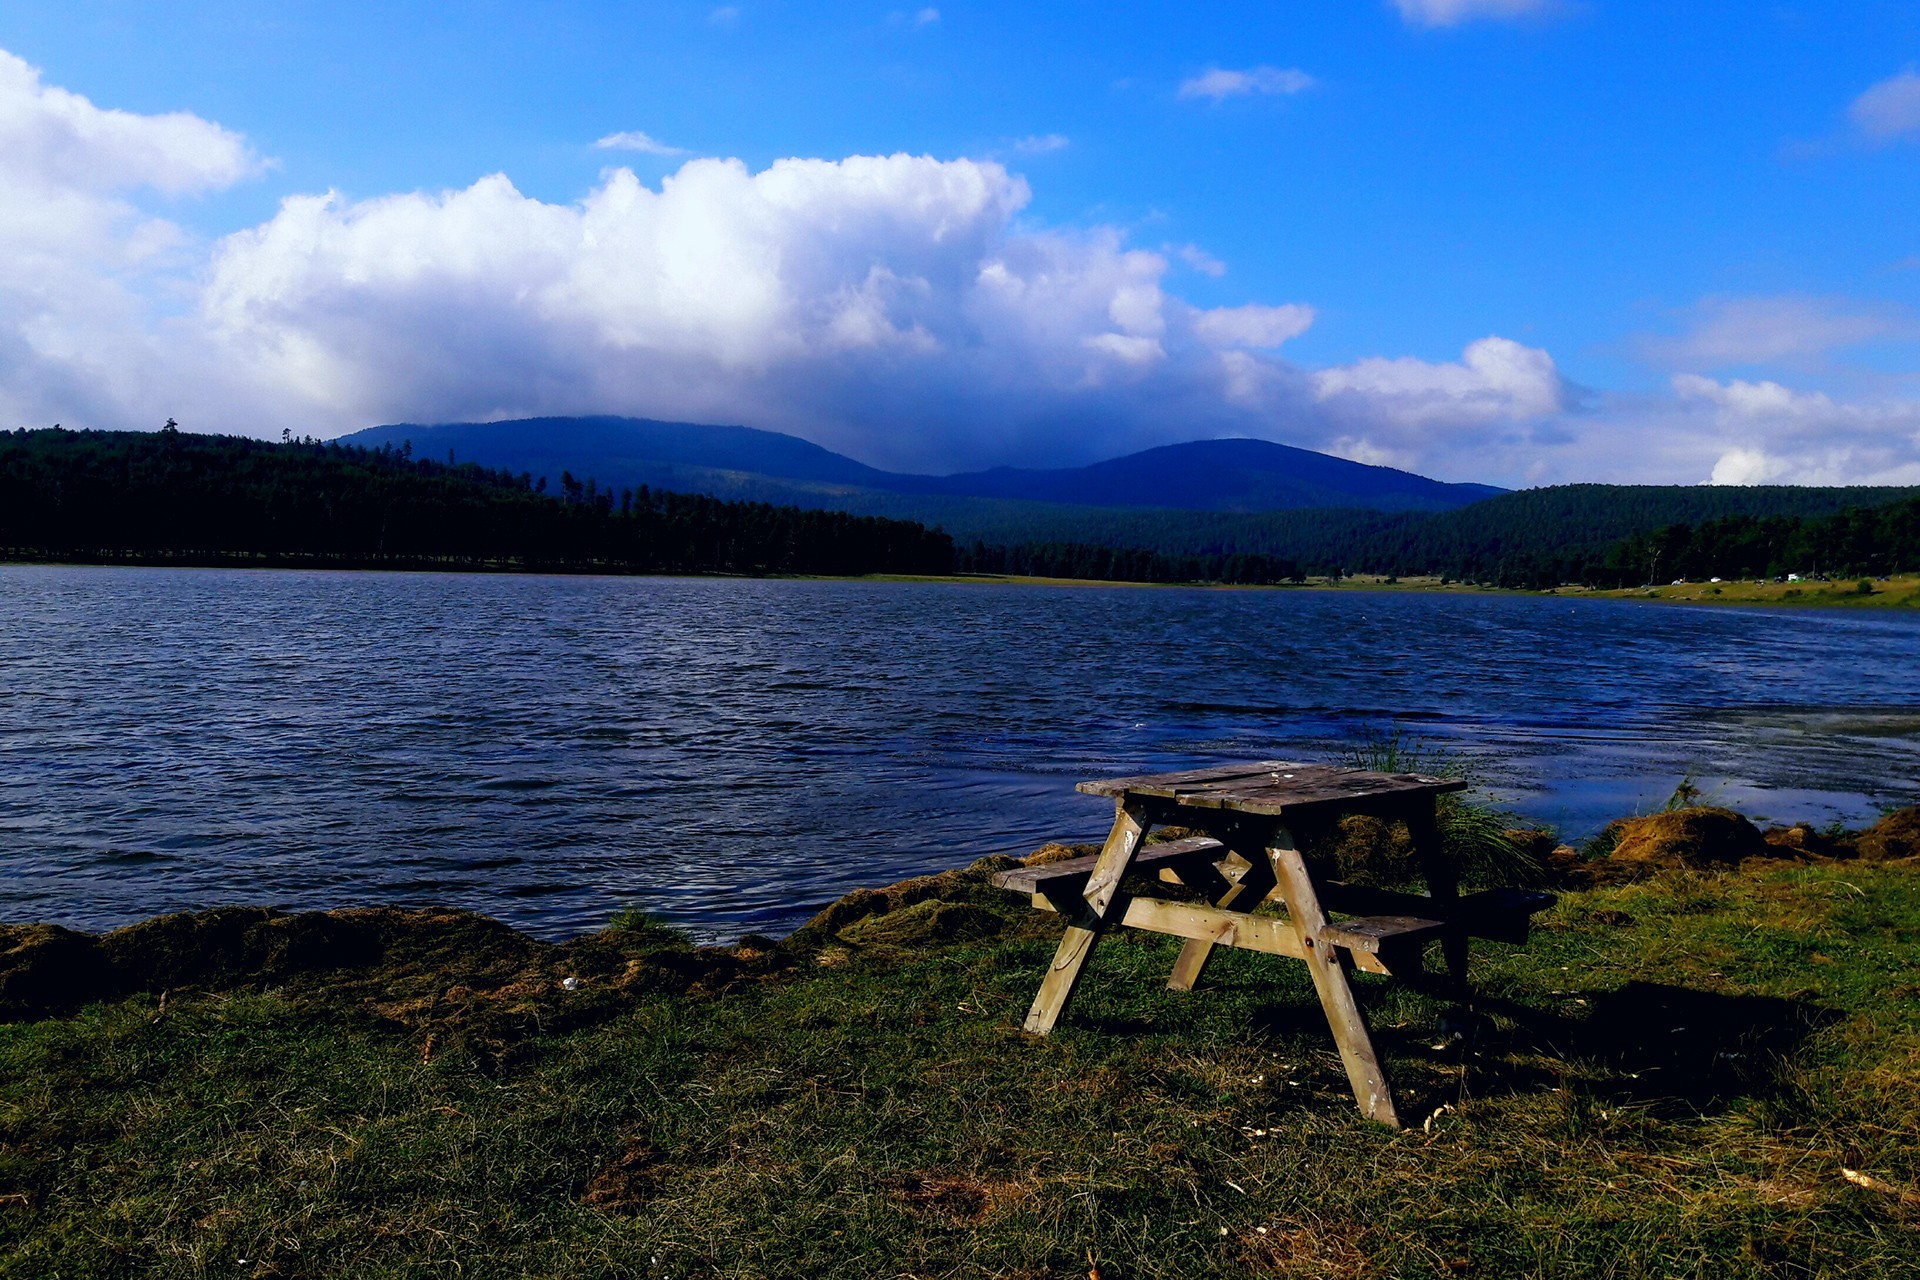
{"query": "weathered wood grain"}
pixel 1071 874
pixel 1276 787
pixel 1380 933
pixel 1329 964
pixel 1070 960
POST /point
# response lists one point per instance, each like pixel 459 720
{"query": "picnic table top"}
pixel 1275 787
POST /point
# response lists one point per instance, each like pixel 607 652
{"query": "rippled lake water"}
pixel 732 754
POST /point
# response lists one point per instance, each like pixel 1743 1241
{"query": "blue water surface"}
pixel 732 754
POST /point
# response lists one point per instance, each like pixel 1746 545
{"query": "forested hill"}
pixel 1571 532
pixel 1566 533
pixel 172 497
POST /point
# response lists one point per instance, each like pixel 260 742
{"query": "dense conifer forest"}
pixel 176 498
pixel 1852 543
pixel 1534 537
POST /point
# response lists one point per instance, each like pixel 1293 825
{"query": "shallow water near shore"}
pixel 732 754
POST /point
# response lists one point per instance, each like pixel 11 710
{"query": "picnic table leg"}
pixel 1329 966
pixel 1063 975
pixel 1243 894
pixel 1443 886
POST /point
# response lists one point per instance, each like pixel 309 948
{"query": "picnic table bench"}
pixel 1253 819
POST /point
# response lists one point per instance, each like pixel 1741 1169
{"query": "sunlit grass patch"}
pixel 1668 1080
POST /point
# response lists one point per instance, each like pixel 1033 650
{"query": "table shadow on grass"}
pixel 1669 1049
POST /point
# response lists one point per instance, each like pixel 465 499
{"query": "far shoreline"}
pixel 1897 591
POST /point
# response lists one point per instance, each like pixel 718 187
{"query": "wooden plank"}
pixel 1329 965
pixel 1346 795
pixel 1365 960
pixel 1054 877
pixel 1063 975
pixel 1246 892
pixel 1502 915
pixel 1273 786
pixel 1202 874
pixel 1496 914
pixel 1070 960
pixel 1123 842
pixel 1377 933
pixel 1145 781
pixel 1212 926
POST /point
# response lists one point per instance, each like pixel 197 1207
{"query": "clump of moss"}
pixel 969 886
pixel 926 923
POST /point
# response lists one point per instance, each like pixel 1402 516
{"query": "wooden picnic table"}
pixel 1254 819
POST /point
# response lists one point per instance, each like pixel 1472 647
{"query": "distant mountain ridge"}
pixel 1234 475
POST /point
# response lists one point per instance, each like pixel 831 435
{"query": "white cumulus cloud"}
pixel 79 254
pixel 1200 260
pixel 1769 433
pixel 888 305
pixel 1495 379
pixel 1219 83
pixel 1889 109
pixel 1450 13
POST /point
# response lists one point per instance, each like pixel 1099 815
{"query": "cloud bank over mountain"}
pixel 904 309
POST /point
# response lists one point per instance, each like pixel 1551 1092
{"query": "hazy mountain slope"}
pixel 616 450
pixel 1215 475
pixel 740 462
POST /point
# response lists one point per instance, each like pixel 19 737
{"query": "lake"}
pixel 732 754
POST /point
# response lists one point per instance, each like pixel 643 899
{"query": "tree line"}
pixel 175 497
pixel 180 498
pixel 1588 533
pixel 1852 543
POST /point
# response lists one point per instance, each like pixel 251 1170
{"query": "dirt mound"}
pixel 1895 836
pixel 1702 838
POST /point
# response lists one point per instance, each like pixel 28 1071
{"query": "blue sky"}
pixel 1523 241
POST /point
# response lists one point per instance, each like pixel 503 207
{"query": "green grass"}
pixel 1666 1082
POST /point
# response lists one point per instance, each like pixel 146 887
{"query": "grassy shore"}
pixel 1672 1079
pixel 1900 591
